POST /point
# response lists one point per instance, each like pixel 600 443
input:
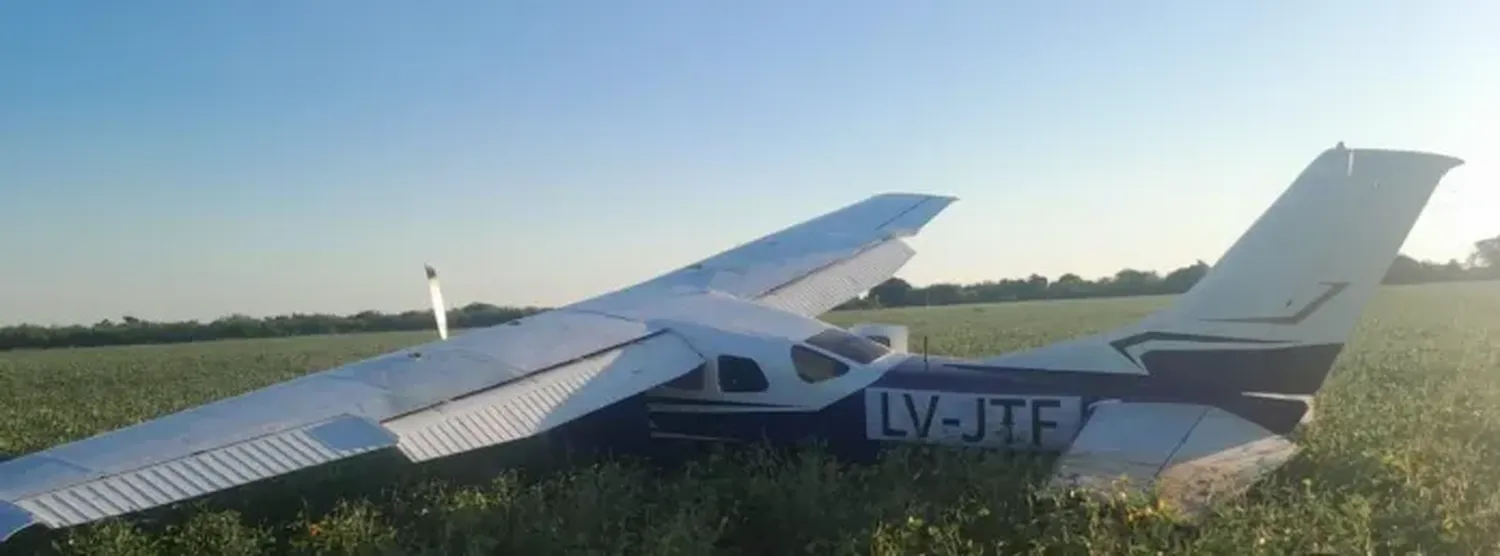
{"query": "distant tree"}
pixel 1135 282
pixel 1034 287
pixel 1453 268
pixel 1404 270
pixel 943 294
pixel 892 293
pixel 1183 279
pixel 1068 285
pixel 1486 253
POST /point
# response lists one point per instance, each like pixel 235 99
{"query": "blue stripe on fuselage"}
pixel 959 375
pixel 929 401
pixel 955 401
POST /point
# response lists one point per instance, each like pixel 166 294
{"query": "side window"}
pixel 849 346
pixel 738 374
pixel 815 367
pixel 691 381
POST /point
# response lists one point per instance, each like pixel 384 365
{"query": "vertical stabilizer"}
pixel 1271 317
pixel 1306 268
pixel 1273 314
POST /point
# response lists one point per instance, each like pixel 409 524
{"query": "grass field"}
pixel 1404 457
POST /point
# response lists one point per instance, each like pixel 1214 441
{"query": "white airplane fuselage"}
pixel 773 377
pixel 899 398
pixel 756 394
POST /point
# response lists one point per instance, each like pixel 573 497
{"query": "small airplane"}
pixel 1192 401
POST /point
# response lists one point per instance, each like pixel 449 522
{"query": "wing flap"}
pixel 200 473
pixel 378 389
pixel 287 426
pixel 828 287
pixel 56 491
pixel 543 401
pixel 1188 455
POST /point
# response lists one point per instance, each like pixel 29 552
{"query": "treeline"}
pixel 898 293
pixel 131 330
pixel 1129 282
pixel 1484 264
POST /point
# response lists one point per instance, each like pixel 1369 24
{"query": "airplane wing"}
pixel 809 268
pixel 1188 454
pixel 478 389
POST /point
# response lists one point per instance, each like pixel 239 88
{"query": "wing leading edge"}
pixel 808 268
pixel 482 388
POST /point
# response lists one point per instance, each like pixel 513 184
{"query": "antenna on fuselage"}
pixel 439 311
pixel 925 365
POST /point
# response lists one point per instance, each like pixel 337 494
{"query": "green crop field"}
pixel 1402 458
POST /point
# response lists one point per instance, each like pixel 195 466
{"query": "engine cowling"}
pixel 893 336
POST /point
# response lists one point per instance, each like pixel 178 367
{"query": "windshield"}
pixel 849 346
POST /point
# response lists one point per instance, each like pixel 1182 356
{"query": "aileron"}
pixel 197 474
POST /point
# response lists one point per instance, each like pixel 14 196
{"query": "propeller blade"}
pixel 439 311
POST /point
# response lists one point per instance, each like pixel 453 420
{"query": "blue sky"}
pixel 192 159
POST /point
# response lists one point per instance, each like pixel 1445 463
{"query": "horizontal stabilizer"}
pixel 1187 455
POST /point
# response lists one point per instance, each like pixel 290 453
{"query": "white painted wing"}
pixel 1189 455
pixel 808 268
pixel 481 388
pixel 517 381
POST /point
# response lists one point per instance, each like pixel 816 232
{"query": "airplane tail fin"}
pixel 1289 293
pixel 1272 315
pixel 1305 269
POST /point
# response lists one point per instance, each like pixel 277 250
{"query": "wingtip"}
pixel 1448 160
pixel 911 195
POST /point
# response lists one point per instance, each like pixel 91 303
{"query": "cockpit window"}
pixel 691 381
pixel 738 374
pixel 882 340
pixel 815 367
pixel 849 346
